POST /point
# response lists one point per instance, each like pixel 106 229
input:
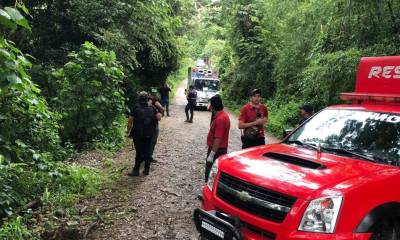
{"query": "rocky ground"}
pixel 160 206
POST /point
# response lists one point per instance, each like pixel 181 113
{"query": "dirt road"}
pixel 160 206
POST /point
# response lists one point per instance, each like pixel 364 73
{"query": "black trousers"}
pixel 189 107
pixel 220 152
pixel 165 103
pixel 154 141
pixel 143 148
pixel 246 143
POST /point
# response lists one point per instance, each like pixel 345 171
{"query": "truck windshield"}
pixel 206 85
pixel 371 134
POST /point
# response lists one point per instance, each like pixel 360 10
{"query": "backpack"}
pixel 144 123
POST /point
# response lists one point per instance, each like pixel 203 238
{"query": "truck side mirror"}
pixel 286 132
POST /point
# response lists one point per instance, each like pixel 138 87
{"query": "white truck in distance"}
pixel 206 83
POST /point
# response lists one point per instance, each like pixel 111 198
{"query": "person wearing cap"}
pixel 141 127
pixel 306 111
pixel 218 134
pixel 191 97
pixel 252 119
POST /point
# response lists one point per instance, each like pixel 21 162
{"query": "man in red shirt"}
pixel 252 119
pixel 218 135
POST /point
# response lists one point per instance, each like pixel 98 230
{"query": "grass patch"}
pixel 57 190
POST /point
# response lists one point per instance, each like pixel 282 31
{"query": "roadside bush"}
pixel 327 75
pixel 15 229
pixel 90 99
pixel 29 140
pixel 282 115
pixel 28 129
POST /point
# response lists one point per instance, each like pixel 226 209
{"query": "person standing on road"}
pixel 218 135
pixel 252 119
pixel 164 93
pixel 154 101
pixel 191 96
pixel 141 127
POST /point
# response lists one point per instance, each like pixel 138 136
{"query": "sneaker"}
pixel 190 121
pixel 146 172
pixel 134 173
pixel 187 121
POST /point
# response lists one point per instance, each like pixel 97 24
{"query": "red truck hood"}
pixel 252 166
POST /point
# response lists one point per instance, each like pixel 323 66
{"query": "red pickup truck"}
pixel 336 176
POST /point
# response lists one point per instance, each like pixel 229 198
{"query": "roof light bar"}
pixel 386 98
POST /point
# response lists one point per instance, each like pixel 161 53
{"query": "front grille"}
pixel 256 200
pixel 262 233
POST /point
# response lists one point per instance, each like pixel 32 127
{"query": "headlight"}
pixel 213 174
pixel 321 215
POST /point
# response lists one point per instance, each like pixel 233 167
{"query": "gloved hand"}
pixel 210 157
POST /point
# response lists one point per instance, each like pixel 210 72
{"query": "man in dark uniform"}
pixel 164 93
pixel 141 127
pixel 154 101
pixel 191 96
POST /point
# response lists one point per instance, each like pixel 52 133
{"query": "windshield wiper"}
pixel 298 142
pixel 349 152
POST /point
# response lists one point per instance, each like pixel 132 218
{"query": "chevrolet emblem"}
pixel 244 196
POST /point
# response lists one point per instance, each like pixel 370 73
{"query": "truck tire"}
pixel 386 230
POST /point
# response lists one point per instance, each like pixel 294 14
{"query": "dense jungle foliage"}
pixel 295 51
pixel 69 71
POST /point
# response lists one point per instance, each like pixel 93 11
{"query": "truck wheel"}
pixel 386 230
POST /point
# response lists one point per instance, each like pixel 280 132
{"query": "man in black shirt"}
pixel 154 101
pixel 141 127
pixel 191 97
pixel 164 93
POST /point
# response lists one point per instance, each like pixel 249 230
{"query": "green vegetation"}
pixel 69 70
pixel 90 97
pixel 295 51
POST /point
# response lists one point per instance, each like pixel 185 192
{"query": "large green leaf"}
pixel 6 20
pixel 14 14
pixel 4 14
pixel 14 79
